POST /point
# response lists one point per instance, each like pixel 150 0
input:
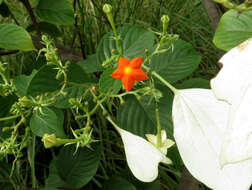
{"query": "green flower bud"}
pixel 165 19
pixel 168 39
pixel 72 101
pixel 107 8
pixel 49 140
pixel 44 38
pixel 26 102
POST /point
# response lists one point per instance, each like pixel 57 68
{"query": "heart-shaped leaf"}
pixel 79 170
pixel 177 63
pixel 22 83
pixel 134 41
pixel 13 37
pixel 109 84
pixel 233 29
pixel 56 12
pixel 44 81
pixel 47 120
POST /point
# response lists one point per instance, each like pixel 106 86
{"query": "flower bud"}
pixel 49 140
pixel 26 102
pixel 107 8
pixel 165 19
pixel 72 101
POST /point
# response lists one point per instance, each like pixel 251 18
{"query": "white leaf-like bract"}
pixel 234 85
pixel 142 157
pixel 200 122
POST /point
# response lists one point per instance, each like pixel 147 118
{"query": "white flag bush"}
pixel 234 85
pixel 142 157
pixel 200 122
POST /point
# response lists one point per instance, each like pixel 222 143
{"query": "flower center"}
pixel 127 70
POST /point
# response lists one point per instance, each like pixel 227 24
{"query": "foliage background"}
pixel 77 32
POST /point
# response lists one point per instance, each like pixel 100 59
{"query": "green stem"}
pixel 4 78
pixel 60 142
pixel 108 117
pixel 111 20
pixel 154 73
pixel 93 110
pixel 64 85
pixel 97 182
pixel 10 117
pixel 78 85
pixel 22 120
pixel 31 151
pixel 150 56
pixel 130 92
pixel 159 137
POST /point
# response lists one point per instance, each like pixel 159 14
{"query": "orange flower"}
pixel 129 71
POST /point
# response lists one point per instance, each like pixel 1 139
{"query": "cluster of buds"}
pixel 7 87
pixel 83 138
pixel 52 57
pixel 11 146
pixel 50 51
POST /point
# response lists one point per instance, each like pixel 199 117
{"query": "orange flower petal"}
pixel 136 62
pixel 139 75
pixel 123 62
pixel 128 82
pixel 117 74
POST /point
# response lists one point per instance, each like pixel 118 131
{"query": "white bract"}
pixel 142 157
pixel 200 122
pixel 234 85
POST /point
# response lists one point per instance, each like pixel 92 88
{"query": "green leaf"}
pixel 72 92
pixel 13 37
pixel 56 12
pixel 90 65
pixel 178 63
pixel 79 170
pixel 44 81
pixel 46 28
pixel 116 183
pixel 1 2
pixel 5 183
pixel 109 84
pixel 22 83
pixel 194 83
pixel 138 117
pixel 77 74
pixel 134 41
pixel 53 181
pixel 48 120
pixel 233 29
pixel 5 106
